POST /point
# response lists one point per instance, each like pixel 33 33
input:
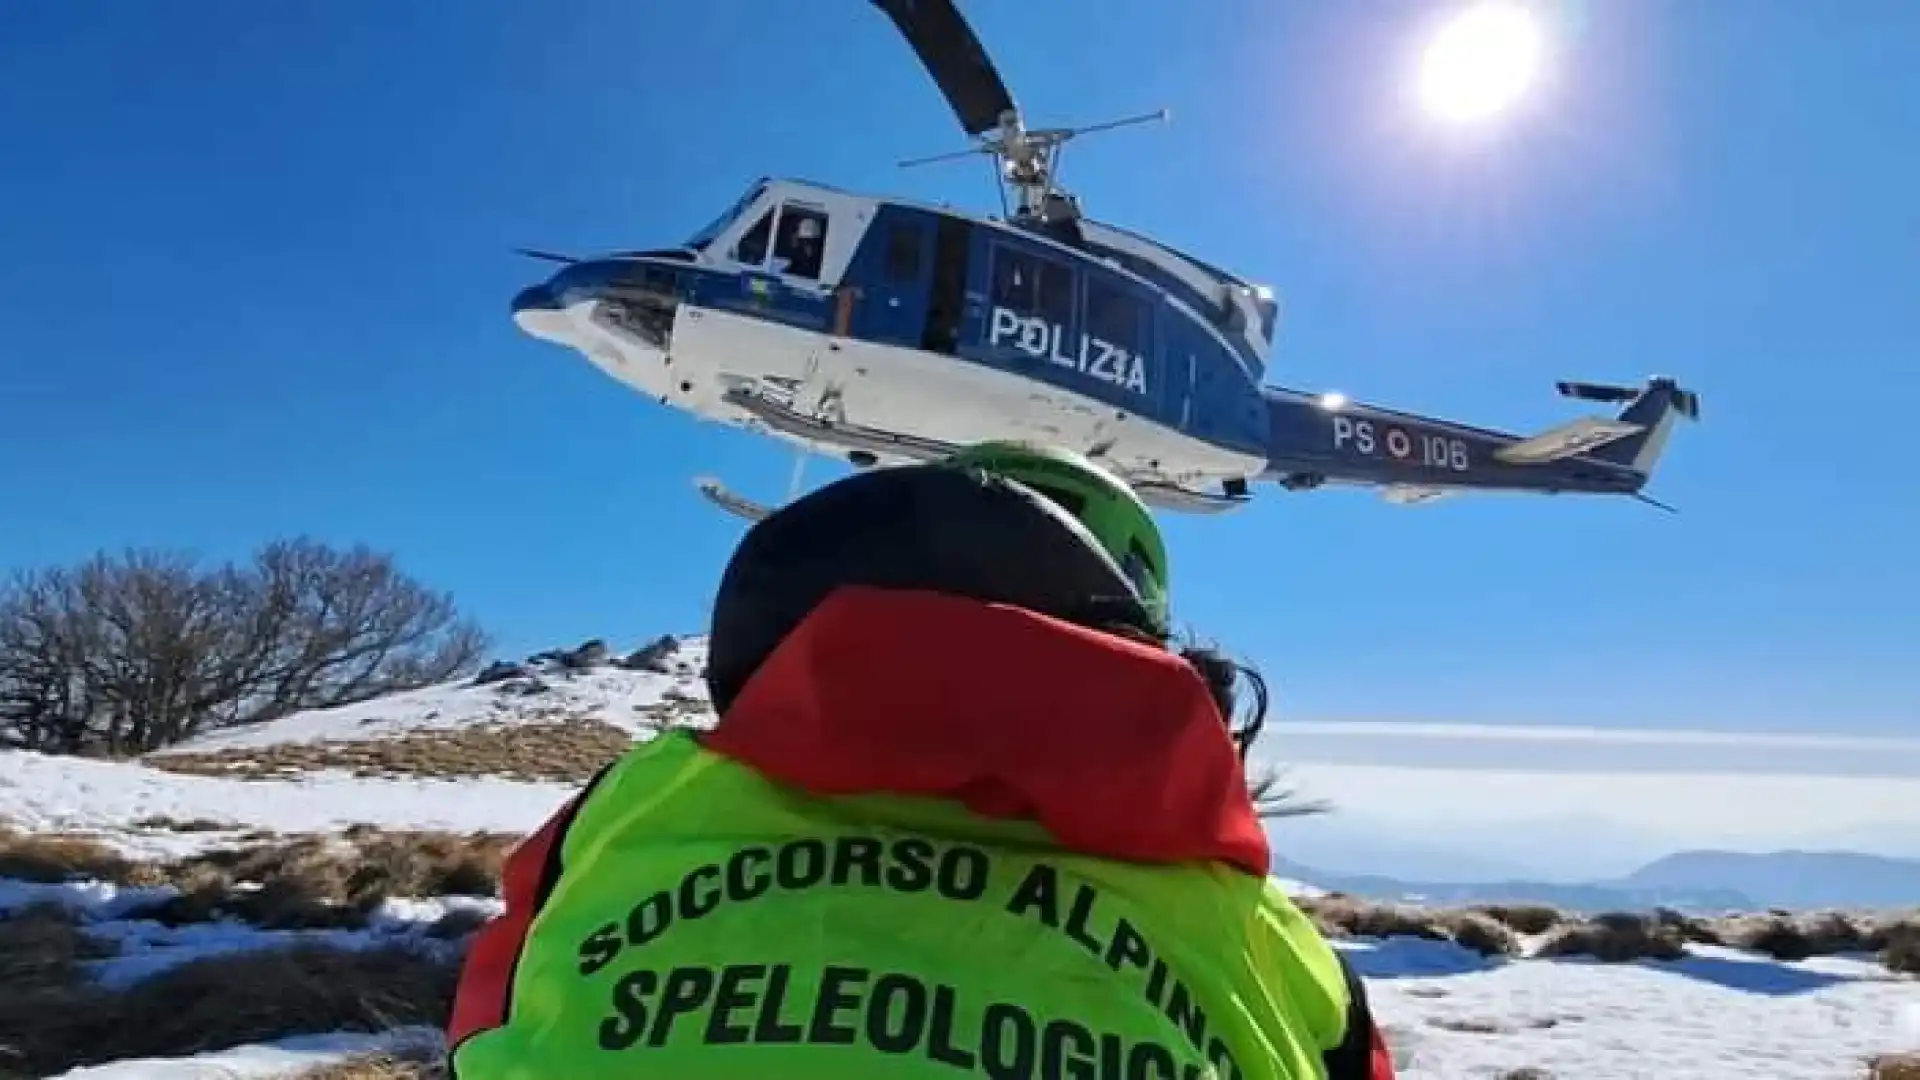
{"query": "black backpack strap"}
pixel 1362 1052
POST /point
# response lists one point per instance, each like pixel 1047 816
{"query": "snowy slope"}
pixel 39 793
pixel 1451 1014
pixel 604 692
pixel 43 793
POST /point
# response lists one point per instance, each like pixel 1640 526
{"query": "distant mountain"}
pixel 1573 897
pixel 1789 879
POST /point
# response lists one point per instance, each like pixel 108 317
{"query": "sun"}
pixel 1482 62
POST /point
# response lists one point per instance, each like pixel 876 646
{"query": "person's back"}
pixel 929 833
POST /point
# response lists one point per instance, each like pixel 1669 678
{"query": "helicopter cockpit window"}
pixel 752 246
pixel 699 241
pixel 800 242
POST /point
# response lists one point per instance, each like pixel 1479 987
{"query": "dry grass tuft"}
pixel 1523 918
pixel 1351 916
pixel 1482 933
pixel 55 857
pixel 320 882
pixel 1339 915
pixel 41 953
pixel 376 1067
pixel 224 1001
pixel 289 883
pixel 420 1060
pixel 189 825
pixel 1471 1025
pixel 1900 944
pixel 1790 937
pixel 1691 929
pixel 44 945
pixel 567 750
pixel 1616 938
pixel 1894 1067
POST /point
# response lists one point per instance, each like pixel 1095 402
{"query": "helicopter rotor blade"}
pixel 953 156
pixel 954 57
pixel 549 256
pixel 1125 121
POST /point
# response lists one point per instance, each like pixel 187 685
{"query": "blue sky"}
pixel 254 275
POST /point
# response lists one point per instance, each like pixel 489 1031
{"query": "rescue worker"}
pixel 962 811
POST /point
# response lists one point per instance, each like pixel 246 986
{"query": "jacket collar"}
pixel 1116 748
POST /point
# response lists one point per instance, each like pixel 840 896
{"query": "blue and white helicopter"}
pixel 883 331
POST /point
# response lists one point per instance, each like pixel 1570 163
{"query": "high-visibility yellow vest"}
pixel 707 922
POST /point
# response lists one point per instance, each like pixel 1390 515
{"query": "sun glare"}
pixel 1481 62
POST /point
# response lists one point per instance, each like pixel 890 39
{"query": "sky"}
pixel 255 268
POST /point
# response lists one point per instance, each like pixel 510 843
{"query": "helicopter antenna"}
pixel 1025 159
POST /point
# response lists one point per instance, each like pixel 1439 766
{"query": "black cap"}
pixel 942 529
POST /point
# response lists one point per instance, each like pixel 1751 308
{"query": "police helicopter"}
pixel 884 331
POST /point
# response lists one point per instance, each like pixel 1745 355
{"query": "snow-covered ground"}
pixel 1717 1015
pixel 1450 1014
pixel 39 793
pixel 610 694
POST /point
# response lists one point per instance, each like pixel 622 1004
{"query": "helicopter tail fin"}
pixel 1653 410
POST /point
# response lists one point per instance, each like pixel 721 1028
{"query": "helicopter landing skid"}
pixel 856 438
pixel 731 501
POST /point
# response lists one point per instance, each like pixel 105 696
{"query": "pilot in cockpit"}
pixel 803 250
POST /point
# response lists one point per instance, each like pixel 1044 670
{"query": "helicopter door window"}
pixel 903 253
pixel 1032 286
pixel 1054 299
pixel 752 246
pixel 1013 274
pixel 1115 317
pixel 800 242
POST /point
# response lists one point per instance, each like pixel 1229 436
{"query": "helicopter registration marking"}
pixel 1420 448
pixel 1042 340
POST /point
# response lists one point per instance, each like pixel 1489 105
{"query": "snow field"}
pixel 1450 1014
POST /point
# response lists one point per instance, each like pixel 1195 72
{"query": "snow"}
pixel 1449 1014
pixel 1719 1015
pixel 610 694
pixel 260 1061
pixel 40 793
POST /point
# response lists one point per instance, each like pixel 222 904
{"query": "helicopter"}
pixel 884 331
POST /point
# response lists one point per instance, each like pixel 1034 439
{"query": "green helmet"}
pixel 1101 501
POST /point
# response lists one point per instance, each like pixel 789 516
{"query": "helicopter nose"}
pixel 534 298
pixel 537 311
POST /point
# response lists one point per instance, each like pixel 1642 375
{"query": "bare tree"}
pixel 126 654
pixel 333 627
